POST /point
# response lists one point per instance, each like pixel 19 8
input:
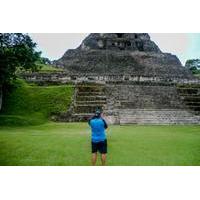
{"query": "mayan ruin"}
pixel 129 77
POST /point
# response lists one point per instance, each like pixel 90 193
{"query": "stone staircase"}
pixel 87 97
pixel 187 112
pixel 135 104
pixel 190 95
pixel 161 116
pixel 153 104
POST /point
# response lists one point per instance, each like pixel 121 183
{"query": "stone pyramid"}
pixel 121 54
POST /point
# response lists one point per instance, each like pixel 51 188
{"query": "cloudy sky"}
pixel 184 45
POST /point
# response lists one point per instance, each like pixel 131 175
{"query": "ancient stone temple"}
pixel 130 78
pixel 121 54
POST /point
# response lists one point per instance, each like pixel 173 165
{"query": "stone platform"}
pixel 157 117
pixel 135 104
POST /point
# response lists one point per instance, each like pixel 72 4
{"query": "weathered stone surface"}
pixel 64 77
pixel 190 96
pixel 143 96
pixel 118 53
pixel 151 104
pixel 119 41
pixel 136 104
pixel 157 116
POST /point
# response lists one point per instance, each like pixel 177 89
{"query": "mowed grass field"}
pixel 68 144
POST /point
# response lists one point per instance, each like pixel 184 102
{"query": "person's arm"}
pixel 89 121
pixel 105 124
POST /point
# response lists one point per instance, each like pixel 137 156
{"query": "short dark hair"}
pixel 98 112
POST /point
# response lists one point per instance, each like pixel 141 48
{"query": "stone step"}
pixel 86 98
pixel 188 88
pixel 191 85
pixel 191 103
pixel 150 112
pixel 148 104
pixel 91 102
pixel 159 122
pixel 155 120
pixel 90 94
pixel 90 89
pixel 86 108
pixel 189 95
pixel 194 108
pixel 191 92
pixel 82 117
pixel 157 117
pixel 85 114
pixel 90 84
pixel 191 98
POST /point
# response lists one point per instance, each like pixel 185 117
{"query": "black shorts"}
pixel 101 147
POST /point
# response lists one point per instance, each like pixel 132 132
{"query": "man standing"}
pixel 99 141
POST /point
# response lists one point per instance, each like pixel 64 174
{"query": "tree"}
pixel 17 50
pixel 193 64
pixel 45 61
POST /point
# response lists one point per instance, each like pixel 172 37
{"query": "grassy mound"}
pixel 17 120
pixel 42 68
pixel 28 105
pixel 48 68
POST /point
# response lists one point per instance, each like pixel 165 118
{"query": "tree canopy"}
pixel 17 50
pixel 193 64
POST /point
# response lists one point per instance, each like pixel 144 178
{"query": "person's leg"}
pixel 103 159
pixel 94 158
pixel 94 153
pixel 103 151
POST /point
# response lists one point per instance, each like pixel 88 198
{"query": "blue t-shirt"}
pixel 98 129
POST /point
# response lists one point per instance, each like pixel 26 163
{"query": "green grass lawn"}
pixel 69 144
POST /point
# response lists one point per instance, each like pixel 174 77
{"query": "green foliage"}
pixel 17 50
pixel 35 102
pixel 193 65
pixel 67 144
pixel 195 71
pixel 192 62
pixel 45 61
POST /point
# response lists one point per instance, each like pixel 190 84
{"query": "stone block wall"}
pixel 142 97
pixel 128 98
pixel 151 104
pixel 64 77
